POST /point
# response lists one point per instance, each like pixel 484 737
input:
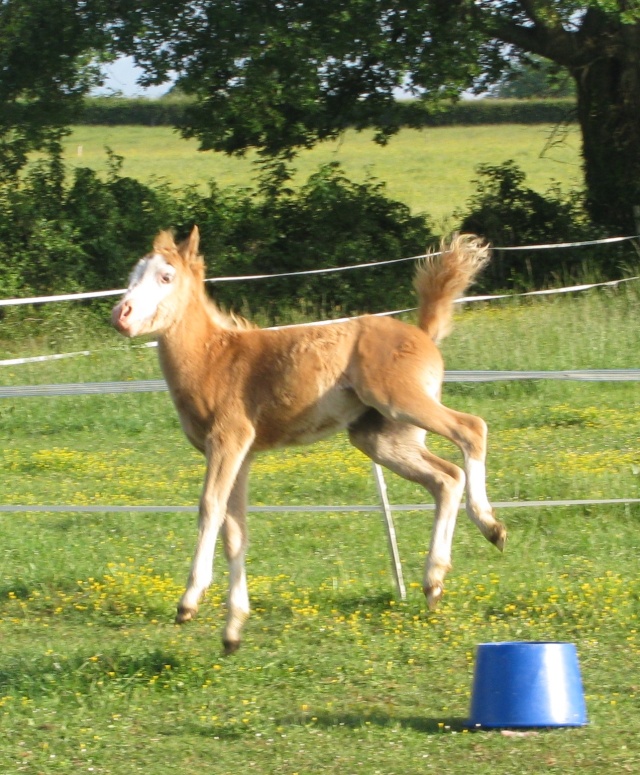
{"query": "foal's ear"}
pixel 164 242
pixel 189 248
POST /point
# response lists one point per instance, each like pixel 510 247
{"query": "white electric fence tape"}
pixel 464 299
pixel 103 294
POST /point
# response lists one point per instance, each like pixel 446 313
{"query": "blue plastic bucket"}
pixel 527 685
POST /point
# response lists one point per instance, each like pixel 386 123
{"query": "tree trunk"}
pixel 609 116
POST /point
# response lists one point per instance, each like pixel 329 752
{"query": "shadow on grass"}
pixel 376 602
pixel 370 603
pixel 42 675
pixel 334 721
pixel 18 589
pixel 424 724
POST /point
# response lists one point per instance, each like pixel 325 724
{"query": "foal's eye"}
pixel 166 278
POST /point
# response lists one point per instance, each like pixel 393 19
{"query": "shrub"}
pixel 508 213
pixel 334 222
pixel 85 235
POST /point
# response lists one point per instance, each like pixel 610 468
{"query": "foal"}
pixel 240 390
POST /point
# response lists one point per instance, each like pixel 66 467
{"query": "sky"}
pixel 121 77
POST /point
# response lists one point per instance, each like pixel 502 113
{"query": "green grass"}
pixel 431 170
pixel 335 675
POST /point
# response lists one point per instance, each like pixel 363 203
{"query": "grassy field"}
pixel 431 170
pixel 336 675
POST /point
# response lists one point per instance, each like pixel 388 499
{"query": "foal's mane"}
pixel 226 319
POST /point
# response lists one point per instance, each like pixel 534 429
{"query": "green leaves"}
pixel 46 66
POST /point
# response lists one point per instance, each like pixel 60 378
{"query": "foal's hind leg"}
pixel 415 406
pixel 469 433
pixel 400 448
pixel 478 508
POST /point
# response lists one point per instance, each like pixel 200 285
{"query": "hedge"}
pixel 169 111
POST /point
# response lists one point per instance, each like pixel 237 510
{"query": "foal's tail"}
pixel 442 277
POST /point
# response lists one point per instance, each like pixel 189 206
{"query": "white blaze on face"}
pixel 151 281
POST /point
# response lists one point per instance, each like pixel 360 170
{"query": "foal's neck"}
pixel 187 344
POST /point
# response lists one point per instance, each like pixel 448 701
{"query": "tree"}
pixel 599 44
pixel 281 74
pixel 48 51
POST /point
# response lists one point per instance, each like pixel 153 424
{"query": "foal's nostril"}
pixel 120 314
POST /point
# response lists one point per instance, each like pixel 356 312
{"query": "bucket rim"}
pixel 526 643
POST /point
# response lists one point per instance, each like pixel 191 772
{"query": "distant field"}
pixel 432 170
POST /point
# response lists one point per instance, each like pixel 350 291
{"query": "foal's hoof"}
pixel 184 615
pixel 230 647
pixel 499 537
pixel 434 595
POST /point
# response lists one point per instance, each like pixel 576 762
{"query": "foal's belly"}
pixel 332 413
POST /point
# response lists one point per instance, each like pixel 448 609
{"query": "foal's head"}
pixel 160 286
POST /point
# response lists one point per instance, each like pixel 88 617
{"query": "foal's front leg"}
pixel 224 461
pixel 234 535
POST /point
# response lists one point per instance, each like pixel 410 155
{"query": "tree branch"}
pixel 549 40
